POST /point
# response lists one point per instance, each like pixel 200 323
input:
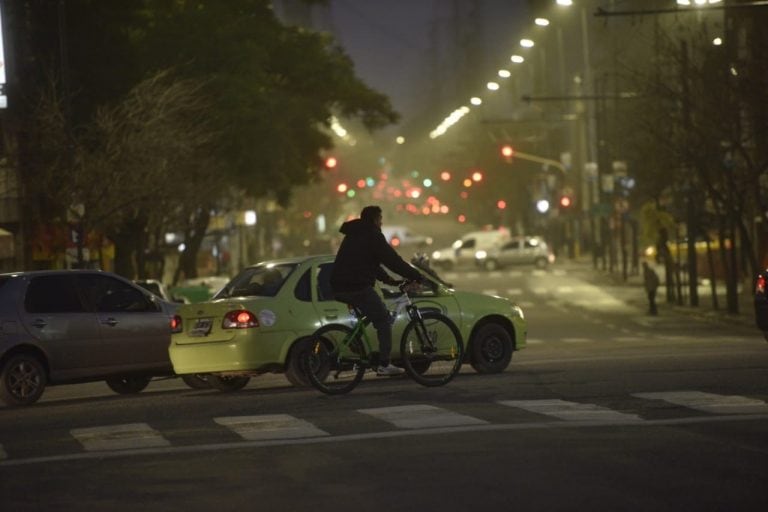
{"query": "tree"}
pixel 260 98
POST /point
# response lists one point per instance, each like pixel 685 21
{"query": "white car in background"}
pixel 401 236
pixel 518 251
pixel 463 250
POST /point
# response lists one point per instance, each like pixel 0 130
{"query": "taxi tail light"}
pixel 239 319
pixel 760 284
pixel 176 324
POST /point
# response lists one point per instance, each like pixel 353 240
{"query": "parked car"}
pixel 261 320
pixel 761 302
pixel 159 289
pixel 403 237
pixel 68 326
pixel 519 250
pixel 199 289
pixel 463 250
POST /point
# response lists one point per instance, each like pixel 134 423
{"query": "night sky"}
pixel 389 41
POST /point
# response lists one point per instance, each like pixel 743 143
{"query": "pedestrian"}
pixel 651 281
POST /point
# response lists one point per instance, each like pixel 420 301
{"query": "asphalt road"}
pixel 606 409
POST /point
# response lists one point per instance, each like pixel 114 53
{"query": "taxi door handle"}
pixel 110 321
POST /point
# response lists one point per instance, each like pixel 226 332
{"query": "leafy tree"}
pixel 253 115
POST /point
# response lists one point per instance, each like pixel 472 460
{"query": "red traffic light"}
pixel 331 162
pixel 565 201
pixel 501 204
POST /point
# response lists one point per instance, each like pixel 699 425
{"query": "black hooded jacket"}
pixel 360 256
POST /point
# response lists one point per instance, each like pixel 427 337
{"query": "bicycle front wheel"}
pixel 335 361
pixel 432 349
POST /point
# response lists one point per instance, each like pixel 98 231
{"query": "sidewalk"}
pixel 632 292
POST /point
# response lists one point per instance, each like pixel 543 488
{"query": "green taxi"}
pixel 259 323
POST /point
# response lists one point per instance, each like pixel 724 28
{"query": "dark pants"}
pixel 370 303
pixel 652 302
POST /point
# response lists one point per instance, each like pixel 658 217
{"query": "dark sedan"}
pixel 67 326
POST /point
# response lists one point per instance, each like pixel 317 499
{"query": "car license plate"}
pixel 202 327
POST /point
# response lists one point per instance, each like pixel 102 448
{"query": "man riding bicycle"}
pixel 355 271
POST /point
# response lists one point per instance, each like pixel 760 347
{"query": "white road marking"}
pixel 576 340
pixel 390 434
pixel 558 272
pixel 540 290
pixel 571 411
pixel 515 273
pixel 129 436
pixel 533 341
pixel 421 416
pixel 490 292
pixel 564 289
pixel 538 272
pixel 270 426
pixel 710 402
pixel 472 275
pixel 629 339
pixel 514 291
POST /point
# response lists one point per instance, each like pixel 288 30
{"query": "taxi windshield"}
pixel 261 281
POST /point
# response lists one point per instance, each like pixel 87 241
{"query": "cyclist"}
pixel 357 267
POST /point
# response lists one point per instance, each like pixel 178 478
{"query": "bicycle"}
pixel 431 349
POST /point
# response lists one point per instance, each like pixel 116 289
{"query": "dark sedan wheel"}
pixel 22 380
pixel 226 383
pixel 128 385
pixel 491 349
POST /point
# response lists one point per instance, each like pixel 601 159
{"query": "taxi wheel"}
pixel 226 383
pixel 491 349
pixel 128 385
pixel 196 381
pixel 294 369
pixel 22 380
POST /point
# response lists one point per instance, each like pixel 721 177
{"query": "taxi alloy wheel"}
pixel 227 383
pixel 491 349
pixel 128 384
pixel 22 380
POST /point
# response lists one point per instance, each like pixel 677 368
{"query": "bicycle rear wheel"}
pixel 432 349
pixel 335 363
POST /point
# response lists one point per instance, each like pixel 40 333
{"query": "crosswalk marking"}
pixel 119 437
pixel 564 290
pixel 533 341
pixel 514 291
pixel 490 292
pixel 710 402
pixel 576 340
pixel 571 411
pixel 421 416
pixel 629 339
pixel 270 426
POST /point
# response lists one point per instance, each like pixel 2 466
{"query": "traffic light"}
pixel 507 152
pixel 501 204
pixel 565 202
pixel 331 162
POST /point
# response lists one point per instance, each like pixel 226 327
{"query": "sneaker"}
pixel 389 370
